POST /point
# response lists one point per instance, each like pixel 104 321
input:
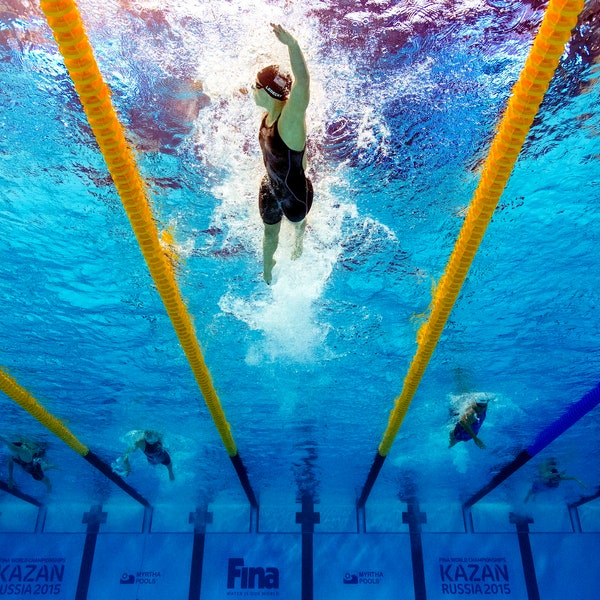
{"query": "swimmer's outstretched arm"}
pixel 300 92
pixel 465 422
pixel 565 477
pixel 48 467
pixel 292 122
pixel 10 444
pixel 130 450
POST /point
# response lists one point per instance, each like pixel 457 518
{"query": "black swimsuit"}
pixel 33 468
pixel 285 190
pixel 156 454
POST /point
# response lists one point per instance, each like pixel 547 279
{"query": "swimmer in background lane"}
pixel 470 423
pixel 285 190
pixel 150 443
pixel 30 457
pixel 549 477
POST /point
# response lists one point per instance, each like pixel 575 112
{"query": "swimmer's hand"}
pixel 121 467
pixel 480 444
pixel 285 37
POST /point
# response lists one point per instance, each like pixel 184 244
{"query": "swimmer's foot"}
pixel 268 272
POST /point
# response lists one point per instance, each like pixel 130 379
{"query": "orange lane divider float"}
pixel 527 94
pixel 65 21
pixel 17 393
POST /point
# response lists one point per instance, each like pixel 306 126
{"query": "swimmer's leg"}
pixel 299 241
pixel 453 441
pixel 270 243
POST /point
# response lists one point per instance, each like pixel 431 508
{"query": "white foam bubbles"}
pixel 288 312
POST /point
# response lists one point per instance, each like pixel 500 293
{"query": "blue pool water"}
pixel 405 100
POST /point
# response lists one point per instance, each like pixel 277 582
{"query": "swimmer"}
pixel 549 477
pixel 470 423
pixel 150 443
pixel 285 190
pixel 30 457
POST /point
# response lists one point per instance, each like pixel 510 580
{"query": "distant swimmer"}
pixel 549 477
pixel 151 444
pixel 285 190
pixel 30 456
pixel 470 423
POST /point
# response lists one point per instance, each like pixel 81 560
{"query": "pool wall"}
pixel 124 552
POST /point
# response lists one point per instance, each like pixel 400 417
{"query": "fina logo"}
pixel 251 577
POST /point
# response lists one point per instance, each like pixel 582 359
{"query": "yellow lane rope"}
pixel 65 21
pixel 26 401
pixel 560 18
